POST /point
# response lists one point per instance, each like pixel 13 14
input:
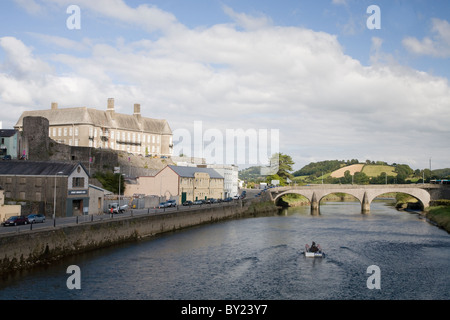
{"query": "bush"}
pixel 441 202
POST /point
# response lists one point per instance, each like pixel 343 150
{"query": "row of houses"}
pixel 63 189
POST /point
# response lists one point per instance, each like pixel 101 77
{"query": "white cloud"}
pixel 325 103
pixel 31 6
pixel 437 46
pixel 20 61
pixel 247 22
pixel 61 42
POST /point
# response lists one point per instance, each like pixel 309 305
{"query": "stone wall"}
pixel 30 248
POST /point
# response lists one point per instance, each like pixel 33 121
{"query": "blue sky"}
pixel 311 69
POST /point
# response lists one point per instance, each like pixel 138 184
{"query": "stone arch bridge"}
pixel 364 193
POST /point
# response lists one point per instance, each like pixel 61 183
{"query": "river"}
pixel 261 258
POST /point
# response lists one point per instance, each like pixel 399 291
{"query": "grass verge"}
pixel 439 215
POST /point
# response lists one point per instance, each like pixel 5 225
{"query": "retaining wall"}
pixel 24 250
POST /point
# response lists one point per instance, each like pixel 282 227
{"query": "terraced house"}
pixel 181 183
pixel 88 127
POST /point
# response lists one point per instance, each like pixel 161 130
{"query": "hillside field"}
pixel 371 170
pixel 375 170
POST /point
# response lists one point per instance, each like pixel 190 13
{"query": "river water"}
pixel 261 258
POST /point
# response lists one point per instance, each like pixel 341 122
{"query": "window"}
pixel 70 131
pixel 78 182
pixel 38 196
pixel 54 132
pixel 76 131
pixel 59 132
pixel 65 132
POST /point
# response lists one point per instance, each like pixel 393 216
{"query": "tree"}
pixel 285 164
pixel 360 178
pixel 110 181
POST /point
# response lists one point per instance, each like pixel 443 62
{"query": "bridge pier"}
pixel 314 205
pixel 365 204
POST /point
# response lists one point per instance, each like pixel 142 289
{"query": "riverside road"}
pixel 66 221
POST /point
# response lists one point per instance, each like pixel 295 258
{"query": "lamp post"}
pixel 54 196
pixel 122 174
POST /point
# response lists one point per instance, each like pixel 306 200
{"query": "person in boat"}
pixel 313 248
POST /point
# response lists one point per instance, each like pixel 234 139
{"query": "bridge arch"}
pixel 422 196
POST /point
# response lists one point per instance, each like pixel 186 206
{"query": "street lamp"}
pixel 54 196
pixel 122 174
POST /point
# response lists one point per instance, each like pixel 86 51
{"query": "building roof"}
pixel 37 168
pixel 6 133
pixel 100 118
pixel 189 172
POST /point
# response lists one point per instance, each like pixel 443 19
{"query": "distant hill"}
pixel 251 174
pixel 333 171
pixel 441 173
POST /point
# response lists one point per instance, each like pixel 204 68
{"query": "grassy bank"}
pixel 261 207
pixel 439 215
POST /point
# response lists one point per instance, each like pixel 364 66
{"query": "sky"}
pixel 316 80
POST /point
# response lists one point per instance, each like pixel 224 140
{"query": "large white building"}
pixel 230 174
pixel 89 127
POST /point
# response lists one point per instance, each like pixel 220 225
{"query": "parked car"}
pixel 228 199
pixel 172 203
pixel 188 203
pixel 15 220
pixel 163 205
pixel 198 202
pixel 6 157
pixel 34 218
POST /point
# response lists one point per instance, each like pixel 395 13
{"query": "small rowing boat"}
pixel 313 254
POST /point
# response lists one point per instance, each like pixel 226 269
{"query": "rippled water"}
pixel 260 258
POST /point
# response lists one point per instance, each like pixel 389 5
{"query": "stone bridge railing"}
pixel 364 193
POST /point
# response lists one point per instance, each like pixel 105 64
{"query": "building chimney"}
pixel 54 105
pixel 110 104
pixel 137 109
pixel 110 109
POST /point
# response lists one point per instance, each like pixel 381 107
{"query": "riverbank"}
pixel 440 215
